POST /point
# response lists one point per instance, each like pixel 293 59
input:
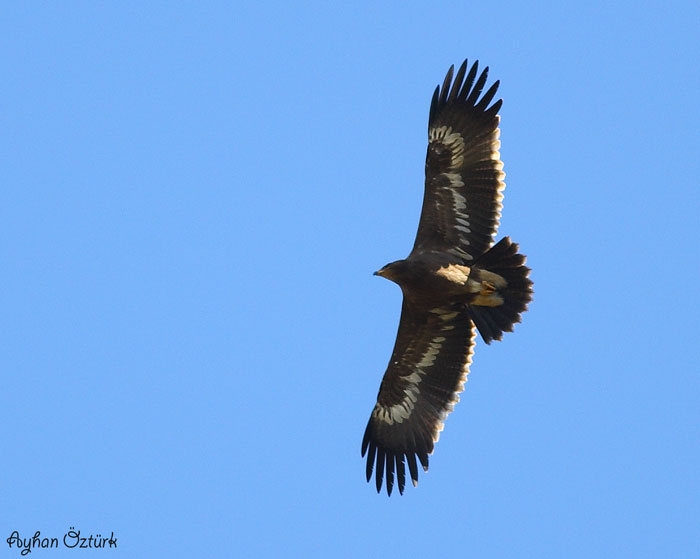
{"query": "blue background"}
pixel 193 199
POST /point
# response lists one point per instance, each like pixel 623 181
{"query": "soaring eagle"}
pixel 455 280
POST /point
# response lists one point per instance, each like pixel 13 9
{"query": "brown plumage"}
pixel 454 281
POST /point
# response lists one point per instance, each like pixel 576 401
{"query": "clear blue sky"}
pixel 194 198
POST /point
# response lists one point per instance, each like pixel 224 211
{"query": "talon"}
pixel 487 288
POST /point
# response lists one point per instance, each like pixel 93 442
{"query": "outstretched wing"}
pixel 427 371
pixel 463 170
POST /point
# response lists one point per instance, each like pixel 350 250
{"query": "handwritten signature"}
pixel 71 539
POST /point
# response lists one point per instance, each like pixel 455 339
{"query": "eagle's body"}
pixel 453 281
pixel 430 280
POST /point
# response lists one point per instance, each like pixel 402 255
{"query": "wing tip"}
pixel 388 467
pixel 464 90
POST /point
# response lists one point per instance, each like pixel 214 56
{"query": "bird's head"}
pixel 394 271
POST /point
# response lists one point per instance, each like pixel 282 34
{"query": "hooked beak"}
pixel 382 272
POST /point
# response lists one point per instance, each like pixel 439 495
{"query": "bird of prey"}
pixel 455 280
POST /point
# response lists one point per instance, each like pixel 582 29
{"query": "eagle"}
pixel 454 282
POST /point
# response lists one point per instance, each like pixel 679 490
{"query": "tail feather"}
pixel 503 259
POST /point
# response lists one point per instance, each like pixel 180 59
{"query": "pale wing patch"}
pixel 459 203
pixel 451 154
pixel 452 193
pixel 446 316
pixel 430 355
pixel 450 190
pixel 398 412
pixel 455 273
pixel 401 411
pixel 452 141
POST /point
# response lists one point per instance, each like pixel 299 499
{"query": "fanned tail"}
pixel 504 260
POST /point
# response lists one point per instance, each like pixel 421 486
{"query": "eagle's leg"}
pixel 487 288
